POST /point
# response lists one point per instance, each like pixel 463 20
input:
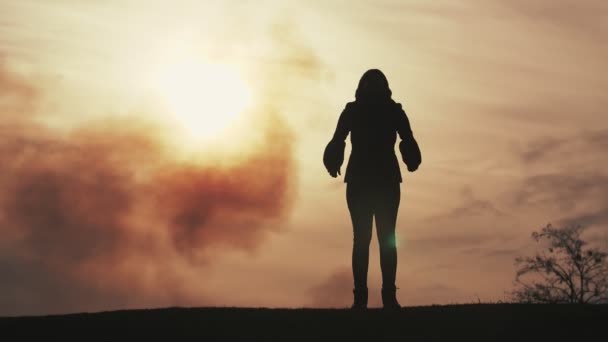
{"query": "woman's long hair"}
pixel 373 87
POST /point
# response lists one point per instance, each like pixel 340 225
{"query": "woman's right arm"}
pixel 333 157
pixel 343 127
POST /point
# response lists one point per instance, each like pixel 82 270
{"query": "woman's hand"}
pixel 410 153
pixel 334 173
pixel 333 157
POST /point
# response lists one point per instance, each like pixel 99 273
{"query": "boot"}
pixel 360 299
pixel 389 298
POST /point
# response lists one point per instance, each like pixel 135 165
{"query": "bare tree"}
pixel 563 272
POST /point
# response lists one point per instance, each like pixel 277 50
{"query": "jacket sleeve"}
pixel 410 151
pixel 333 156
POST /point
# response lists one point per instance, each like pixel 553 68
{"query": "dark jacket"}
pixel 373 127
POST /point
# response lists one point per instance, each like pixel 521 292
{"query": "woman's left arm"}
pixel 410 151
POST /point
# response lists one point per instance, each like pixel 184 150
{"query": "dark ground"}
pixel 475 322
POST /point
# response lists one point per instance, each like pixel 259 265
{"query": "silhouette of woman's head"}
pixel 373 86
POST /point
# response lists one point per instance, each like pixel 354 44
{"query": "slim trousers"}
pixel 366 202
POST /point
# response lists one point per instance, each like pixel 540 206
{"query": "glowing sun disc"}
pixel 203 99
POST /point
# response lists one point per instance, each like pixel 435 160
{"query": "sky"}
pixel 168 153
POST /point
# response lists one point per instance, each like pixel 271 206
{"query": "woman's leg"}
pixel 359 205
pixel 387 205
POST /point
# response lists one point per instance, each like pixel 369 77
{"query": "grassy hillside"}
pixel 478 322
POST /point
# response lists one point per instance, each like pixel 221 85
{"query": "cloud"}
pixel 566 173
pixel 102 215
pixel 581 197
pixel 585 17
pixel 206 206
pixel 565 148
pixel 471 206
pixel 334 292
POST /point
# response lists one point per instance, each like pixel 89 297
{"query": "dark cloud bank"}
pixel 568 173
pixel 100 216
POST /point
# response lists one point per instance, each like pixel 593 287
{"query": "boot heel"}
pixel 389 299
pixel 360 299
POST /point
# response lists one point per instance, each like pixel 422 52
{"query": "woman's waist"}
pixel 373 154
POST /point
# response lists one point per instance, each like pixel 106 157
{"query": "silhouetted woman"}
pixel 373 177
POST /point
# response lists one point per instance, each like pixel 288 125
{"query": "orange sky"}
pixel 109 203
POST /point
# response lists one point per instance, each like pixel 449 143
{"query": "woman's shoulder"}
pixel 396 104
pixel 390 105
pixel 350 105
pixel 349 109
pixel 397 108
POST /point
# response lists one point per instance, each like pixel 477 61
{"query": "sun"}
pixel 202 99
